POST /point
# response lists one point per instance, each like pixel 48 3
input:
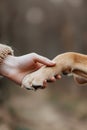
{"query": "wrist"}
pixel 6 68
pixel 5 55
pixel 4 52
pixel 9 69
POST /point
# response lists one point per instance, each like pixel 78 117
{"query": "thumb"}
pixel 44 60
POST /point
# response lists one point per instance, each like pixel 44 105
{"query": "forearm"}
pixel 8 69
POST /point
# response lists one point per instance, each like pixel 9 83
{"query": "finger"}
pixel 39 65
pixel 44 60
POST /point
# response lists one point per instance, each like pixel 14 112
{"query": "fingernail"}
pixel 53 62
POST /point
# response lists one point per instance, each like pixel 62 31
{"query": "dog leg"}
pixel 65 63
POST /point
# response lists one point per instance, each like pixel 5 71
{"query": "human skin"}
pixel 15 68
pixel 69 63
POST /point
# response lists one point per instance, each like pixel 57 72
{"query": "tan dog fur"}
pixel 66 63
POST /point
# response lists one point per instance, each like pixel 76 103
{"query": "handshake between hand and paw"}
pixel 66 63
pixel 33 71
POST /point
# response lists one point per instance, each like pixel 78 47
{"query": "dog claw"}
pixel 30 88
pixel 37 87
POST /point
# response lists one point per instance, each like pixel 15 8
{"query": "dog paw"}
pixel 37 79
pixel 32 82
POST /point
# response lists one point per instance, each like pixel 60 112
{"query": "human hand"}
pixel 15 68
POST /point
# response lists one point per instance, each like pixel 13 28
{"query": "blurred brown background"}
pixel 47 27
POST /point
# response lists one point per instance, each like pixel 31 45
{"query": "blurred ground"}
pixel 48 27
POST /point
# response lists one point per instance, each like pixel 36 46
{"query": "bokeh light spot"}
pixel 35 15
